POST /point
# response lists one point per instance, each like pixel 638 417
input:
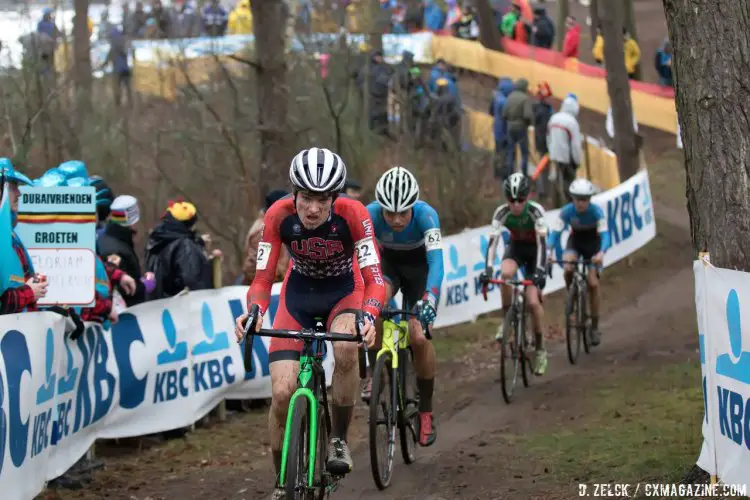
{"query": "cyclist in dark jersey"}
pixel 408 231
pixel 323 233
pixel 589 239
pixel 526 251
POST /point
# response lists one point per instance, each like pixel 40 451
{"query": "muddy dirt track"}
pixel 648 317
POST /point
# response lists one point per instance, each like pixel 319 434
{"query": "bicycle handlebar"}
pixel 512 282
pixel 305 334
pixel 390 313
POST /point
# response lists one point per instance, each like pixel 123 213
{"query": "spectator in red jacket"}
pixel 572 37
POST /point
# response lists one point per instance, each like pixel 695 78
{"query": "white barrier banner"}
pixel 166 363
pixel 725 353
pixel 630 216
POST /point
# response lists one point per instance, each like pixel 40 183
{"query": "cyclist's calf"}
pixel 593 279
pixel 345 372
pixel 283 385
pixel 418 339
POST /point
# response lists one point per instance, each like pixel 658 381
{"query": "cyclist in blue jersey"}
pixel 408 231
pixel 589 239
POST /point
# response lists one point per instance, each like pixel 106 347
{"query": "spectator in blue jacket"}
pixel 499 125
pixel 47 24
pixel 118 57
pixel 442 70
pixel 433 16
pixel 663 63
pixel 213 19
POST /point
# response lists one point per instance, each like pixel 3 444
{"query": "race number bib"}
pixel 601 226
pixel 433 240
pixel 366 253
pixel 264 253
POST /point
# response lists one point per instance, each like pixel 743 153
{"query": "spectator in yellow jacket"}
pixel 598 50
pixel 632 51
pixel 241 19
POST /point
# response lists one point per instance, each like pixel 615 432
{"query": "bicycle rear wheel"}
pixel 408 411
pixel 572 333
pixel 298 453
pixel 509 355
pixel 583 326
pixel 382 422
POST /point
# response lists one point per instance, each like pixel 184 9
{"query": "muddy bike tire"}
pixel 572 332
pixel 527 365
pixel 509 356
pixel 321 457
pixel 583 317
pixel 298 454
pixel 408 414
pixel 382 413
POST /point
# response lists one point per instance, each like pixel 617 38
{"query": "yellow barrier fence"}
pixel 650 110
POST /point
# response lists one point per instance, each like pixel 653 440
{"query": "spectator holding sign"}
pixel 25 287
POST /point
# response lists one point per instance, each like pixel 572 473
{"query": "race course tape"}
pixel 167 363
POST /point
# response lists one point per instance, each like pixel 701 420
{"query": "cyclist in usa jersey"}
pixel 524 219
pixel 323 233
pixel 589 239
pixel 408 231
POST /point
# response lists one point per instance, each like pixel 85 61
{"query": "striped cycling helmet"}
pixel 397 190
pixel 318 170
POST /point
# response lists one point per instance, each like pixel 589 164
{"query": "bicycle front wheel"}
pixel 527 363
pixel 583 320
pixel 382 422
pixel 509 355
pixel 298 457
pixel 572 333
pixel 408 415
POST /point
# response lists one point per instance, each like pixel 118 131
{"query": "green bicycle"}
pixel 303 473
pixel 394 401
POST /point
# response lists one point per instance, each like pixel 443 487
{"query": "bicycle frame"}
pixel 519 288
pixel 310 385
pixel 310 382
pixel 395 337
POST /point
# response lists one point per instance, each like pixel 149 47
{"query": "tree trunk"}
pixel 489 35
pixel 618 87
pixel 562 14
pixel 377 22
pixel 713 103
pixel 594 14
pixel 82 64
pixel 270 21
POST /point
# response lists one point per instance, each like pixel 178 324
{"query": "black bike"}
pixel 303 473
pixel 577 318
pixel 516 348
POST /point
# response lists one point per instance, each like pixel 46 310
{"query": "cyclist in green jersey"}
pixel 526 250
